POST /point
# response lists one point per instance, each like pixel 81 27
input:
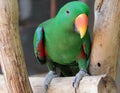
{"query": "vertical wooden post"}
pixel 105 45
pixel 11 54
pixel 53 8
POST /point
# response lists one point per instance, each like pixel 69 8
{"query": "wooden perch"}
pixel 89 84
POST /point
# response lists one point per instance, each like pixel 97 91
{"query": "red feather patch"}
pixel 82 53
pixel 41 49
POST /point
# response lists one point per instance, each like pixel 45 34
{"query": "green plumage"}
pixel 62 43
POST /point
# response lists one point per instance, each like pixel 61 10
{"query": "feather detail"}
pixel 82 53
pixel 41 49
pixel 39 46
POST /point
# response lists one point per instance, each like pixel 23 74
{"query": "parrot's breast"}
pixel 63 48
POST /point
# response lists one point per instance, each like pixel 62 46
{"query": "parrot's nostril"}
pixel 99 65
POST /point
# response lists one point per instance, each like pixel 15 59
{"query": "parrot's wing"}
pixel 39 46
pixel 87 47
pixel 87 44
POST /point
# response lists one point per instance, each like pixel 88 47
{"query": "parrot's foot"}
pixel 78 77
pixel 48 79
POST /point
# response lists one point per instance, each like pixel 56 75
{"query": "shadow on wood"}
pixel 89 84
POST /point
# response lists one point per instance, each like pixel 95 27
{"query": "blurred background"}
pixel 32 13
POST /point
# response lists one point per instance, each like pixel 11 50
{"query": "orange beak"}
pixel 81 23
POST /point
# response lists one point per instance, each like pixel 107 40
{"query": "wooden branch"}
pixel 11 54
pixel 89 84
pixel 105 44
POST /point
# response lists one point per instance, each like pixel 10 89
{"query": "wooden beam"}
pixel 106 33
pixel 89 84
pixel 11 54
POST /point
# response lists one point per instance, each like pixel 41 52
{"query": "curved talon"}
pixel 78 77
pixel 48 78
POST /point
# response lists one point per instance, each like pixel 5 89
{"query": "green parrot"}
pixel 63 43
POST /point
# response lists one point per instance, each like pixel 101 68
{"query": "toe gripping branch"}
pixel 79 77
pixel 48 79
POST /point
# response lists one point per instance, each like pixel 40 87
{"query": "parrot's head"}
pixel 74 14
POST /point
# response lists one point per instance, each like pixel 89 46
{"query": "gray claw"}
pixel 78 77
pixel 48 79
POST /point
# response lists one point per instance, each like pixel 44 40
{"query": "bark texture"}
pixel 106 33
pixel 11 54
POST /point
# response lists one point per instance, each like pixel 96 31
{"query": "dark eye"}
pixel 67 11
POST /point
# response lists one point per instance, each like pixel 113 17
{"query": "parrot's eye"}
pixel 67 11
